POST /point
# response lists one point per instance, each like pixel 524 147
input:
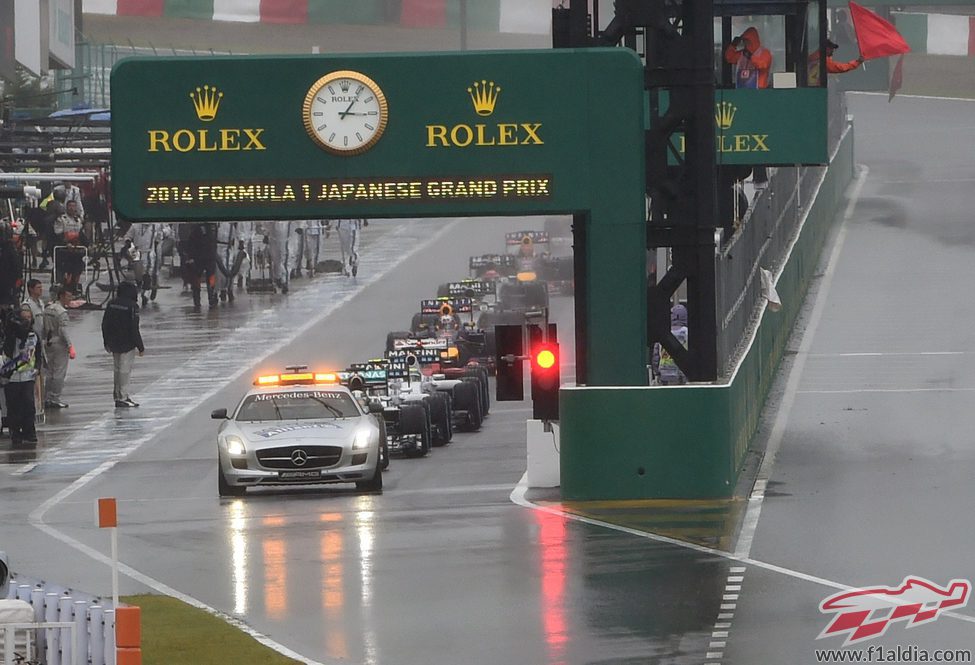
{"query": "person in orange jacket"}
pixel 752 61
pixel 832 67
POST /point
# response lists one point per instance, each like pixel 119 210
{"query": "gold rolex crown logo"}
pixel 484 94
pixel 724 114
pixel 206 101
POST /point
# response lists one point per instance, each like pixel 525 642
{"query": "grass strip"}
pixel 174 632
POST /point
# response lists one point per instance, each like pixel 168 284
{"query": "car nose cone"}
pixel 299 457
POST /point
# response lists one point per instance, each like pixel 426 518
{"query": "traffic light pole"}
pixel 679 59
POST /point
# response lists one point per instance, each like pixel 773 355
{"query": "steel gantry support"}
pixel 676 40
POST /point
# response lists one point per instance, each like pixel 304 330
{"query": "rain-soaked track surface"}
pixel 873 480
pixel 871 484
pixel 442 568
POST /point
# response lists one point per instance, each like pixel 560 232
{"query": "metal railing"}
pixel 89 82
pixel 763 241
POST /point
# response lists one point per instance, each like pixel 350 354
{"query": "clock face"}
pixel 345 112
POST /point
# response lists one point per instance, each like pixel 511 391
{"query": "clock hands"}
pixel 346 112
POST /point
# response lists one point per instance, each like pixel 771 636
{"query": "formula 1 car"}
pixel 412 424
pixel 298 428
pixel 440 325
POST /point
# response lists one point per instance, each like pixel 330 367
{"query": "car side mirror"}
pixel 376 407
pixel 219 414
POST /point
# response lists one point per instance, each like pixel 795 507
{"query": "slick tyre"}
pixel 383 445
pixel 226 489
pixel 536 296
pixel 466 399
pixel 481 374
pixel 440 418
pixel 413 419
pixel 374 484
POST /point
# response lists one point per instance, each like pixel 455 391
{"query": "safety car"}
pixel 298 428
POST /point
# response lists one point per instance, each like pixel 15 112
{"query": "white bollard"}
pixel 81 632
pixel 37 600
pixel 23 592
pixel 66 615
pixel 96 627
pixel 11 588
pixel 109 637
pixel 52 635
pixel 543 455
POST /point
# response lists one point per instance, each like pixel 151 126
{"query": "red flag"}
pixel 878 38
pixel 896 79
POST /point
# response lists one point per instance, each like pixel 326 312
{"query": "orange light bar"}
pixel 326 378
pixel 268 380
pixel 304 376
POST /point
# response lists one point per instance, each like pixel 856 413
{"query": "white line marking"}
pixel 940 99
pixel 714 654
pixel 722 625
pixel 730 596
pixel 27 468
pixel 736 578
pixel 885 390
pixel 36 517
pixel 717 645
pixel 727 606
pixel 733 587
pixel 518 497
pixel 720 633
pixel 754 510
pixel 885 354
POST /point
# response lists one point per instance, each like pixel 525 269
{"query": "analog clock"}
pixel 345 112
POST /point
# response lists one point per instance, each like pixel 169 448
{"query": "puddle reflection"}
pixel 551 542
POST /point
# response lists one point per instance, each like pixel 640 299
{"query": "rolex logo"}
pixel 484 94
pixel 206 101
pixel 724 114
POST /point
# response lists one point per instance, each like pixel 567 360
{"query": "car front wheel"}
pixel 226 489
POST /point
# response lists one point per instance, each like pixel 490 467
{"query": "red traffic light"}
pixel 545 358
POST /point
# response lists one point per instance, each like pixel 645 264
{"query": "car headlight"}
pixel 235 446
pixel 361 439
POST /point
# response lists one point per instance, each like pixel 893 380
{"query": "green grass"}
pixel 174 633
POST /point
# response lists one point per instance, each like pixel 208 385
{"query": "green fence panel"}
pixel 344 12
pixel 199 9
pixel 914 28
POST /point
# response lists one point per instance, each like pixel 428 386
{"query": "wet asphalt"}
pixel 871 483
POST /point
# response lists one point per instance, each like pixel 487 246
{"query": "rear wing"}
pixel 373 374
pixel 457 305
pixel 499 261
pixel 401 360
pixel 471 288
pixel 525 237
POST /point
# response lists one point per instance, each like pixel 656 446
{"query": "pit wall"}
pixel 690 442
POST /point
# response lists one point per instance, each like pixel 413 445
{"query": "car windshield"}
pixel 297 405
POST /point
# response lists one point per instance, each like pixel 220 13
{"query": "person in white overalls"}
pixel 348 230
pixel 277 241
